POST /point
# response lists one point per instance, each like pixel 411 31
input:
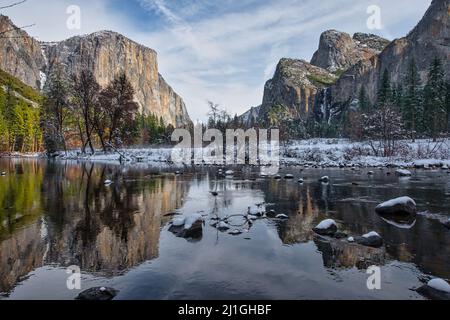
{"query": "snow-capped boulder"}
pixel 447 224
pixel 325 179
pixel 179 222
pixel 289 177
pixel 402 205
pixel 277 177
pixel 257 210
pixel 351 239
pixel 190 227
pixel 370 173
pixel 108 182
pixel 301 181
pixel 436 289
pixel 326 228
pixel 281 216
pixel 403 173
pixel 222 226
pixel 98 294
pixel 229 173
pixel 371 239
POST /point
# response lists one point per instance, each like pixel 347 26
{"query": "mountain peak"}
pixel 338 51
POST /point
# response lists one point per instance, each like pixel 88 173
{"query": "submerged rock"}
pixel 371 239
pixel 326 228
pixel 98 294
pixel 401 206
pixel 436 289
pixel 235 232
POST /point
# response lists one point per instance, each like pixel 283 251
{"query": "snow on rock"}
pixel 257 210
pixel 371 234
pixel 351 239
pixel 229 173
pixel 440 285
pixel 324 179
pixel 403 173
pixel 436 289
pixel 222 226
pixel 108 182
pixel 402 205
pixel 371 239
pixel 178 222
pixel 191 220
pixel 289 176
pixel 326 227
pixel 281 216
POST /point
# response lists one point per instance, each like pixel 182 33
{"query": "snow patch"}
pixel 371 234
pixel 440 285
pixel 397 201
pixel 326 224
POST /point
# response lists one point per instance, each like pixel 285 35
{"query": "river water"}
pixel 59 214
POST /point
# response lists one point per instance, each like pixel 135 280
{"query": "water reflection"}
pixel 61 214
pixel 64 214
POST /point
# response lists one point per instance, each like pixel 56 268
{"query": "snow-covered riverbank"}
pixel 313 152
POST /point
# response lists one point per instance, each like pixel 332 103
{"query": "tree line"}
pixel 79 112
pixel 416 109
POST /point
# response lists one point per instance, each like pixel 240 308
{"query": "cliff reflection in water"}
pixel 63 214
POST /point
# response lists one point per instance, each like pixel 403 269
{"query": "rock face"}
pixel 428 40
pixel 20 55
pixel 338 51
pixel 343 64
pixel 106 54
pixel 295 86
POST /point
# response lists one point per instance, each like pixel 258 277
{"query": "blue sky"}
pixel 225 50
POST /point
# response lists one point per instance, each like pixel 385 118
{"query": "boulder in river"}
pixel 98 294
pixel 398 206
pixel 190 227
pixel 447 224
pixel 436 289
pixel 289 177
pixel 325 179
pixel 403 173
pixel 326 228
pixel 371 239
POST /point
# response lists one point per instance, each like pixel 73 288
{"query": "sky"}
pixel 222 51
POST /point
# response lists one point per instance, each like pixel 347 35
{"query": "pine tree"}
pixel 385 89
pixel 55 112
pixel 364 103
pixel 447 105
pixel 412 106
pixel 434 100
